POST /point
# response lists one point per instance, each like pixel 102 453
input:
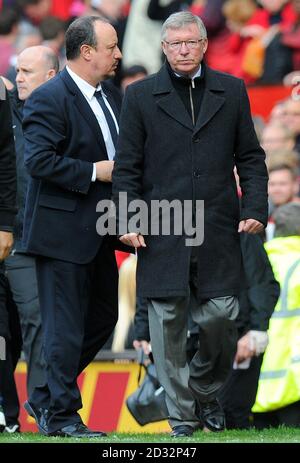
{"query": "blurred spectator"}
pixel 291 118
pixel 31 38
pixel 276 136
pixel 161 9
pixel 123 334
pixel 142 38
pixel 277 114
pixel 283 157
pixel 291 35
pixel 114 12
pixel 267 25
pixel 283 185
pixel 53 33
pixel 237 13
pixel 132 74
pixel 283 188
pixel 292 78
pixel 8 35
pixel 34 11
pixel 278 395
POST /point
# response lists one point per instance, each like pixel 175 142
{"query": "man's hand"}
pixel 104 170
pixel 244 349
pixel 259 341
pixel 250 226
pixel 135 240
pixel 145 345
pixel 6 242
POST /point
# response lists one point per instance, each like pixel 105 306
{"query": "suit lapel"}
pixel 112 102
pixel 84 109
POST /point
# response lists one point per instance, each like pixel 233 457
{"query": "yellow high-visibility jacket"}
pixel 279 382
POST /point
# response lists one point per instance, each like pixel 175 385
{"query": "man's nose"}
pixel 184 48
pixel 118 54
pixel 18 77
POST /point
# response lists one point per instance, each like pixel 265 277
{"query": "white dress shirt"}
pixel 88 92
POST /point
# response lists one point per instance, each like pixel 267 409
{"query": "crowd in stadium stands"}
pixel 258 41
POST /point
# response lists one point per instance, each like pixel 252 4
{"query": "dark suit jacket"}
pixel 62 140
pixel 161 155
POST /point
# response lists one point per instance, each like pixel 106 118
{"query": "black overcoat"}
pixel 161 155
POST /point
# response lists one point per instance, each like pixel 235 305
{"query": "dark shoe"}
pixel 77 430
pixel 183 430
pixel 213 416
pixel 40 415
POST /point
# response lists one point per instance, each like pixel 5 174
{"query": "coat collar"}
pixel 169 101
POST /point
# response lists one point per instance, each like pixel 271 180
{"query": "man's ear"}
pixel 163 47
pixel 86 52
pixel 51 73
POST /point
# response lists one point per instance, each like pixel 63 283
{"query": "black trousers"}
pixel 287 416
pixel 79 308
pixel 238 395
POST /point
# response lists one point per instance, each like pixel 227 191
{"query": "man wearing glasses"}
pixel 182 131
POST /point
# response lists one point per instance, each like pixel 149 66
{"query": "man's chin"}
pixel 186 70
pixel 22 96
pixel 109 75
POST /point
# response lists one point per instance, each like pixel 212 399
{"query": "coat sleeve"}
pixel 8 176
pixel 44 132
pixel 128 168
pixel 250 163
pixel 262 288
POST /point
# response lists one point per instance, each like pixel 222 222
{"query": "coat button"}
pixel 197 173
pixel 196 139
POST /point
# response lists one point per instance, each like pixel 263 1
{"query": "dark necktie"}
pixel 108 117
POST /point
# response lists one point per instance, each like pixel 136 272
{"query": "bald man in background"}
pixel 35 65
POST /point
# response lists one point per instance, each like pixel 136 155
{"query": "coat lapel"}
pixel 84 108
pixel 213 99
pixel 170 102
pixel 168 99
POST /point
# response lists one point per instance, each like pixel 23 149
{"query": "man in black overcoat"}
pixel 182 131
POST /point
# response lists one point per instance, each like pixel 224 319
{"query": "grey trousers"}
pixel 185 384
pixel 21 274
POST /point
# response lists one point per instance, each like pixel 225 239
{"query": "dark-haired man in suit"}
pixel 70 128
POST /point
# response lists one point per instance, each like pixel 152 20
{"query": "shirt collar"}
pixel 87 89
